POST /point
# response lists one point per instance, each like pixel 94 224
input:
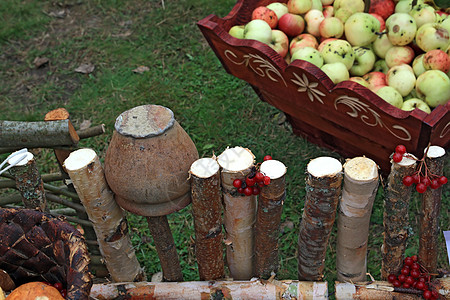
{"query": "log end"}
pixel 407 160
pixel 204 167
pixel 324 166
pixel 79 159
pixel 57 114
pixel 236 159
pixel 361 169
pixel 20 159
pixel 273 168
pixel 435 152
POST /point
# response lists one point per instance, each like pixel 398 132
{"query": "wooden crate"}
pixel 347 117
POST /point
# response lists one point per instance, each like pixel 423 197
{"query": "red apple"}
pixel 301 41
pixel 291 24
pixel 381 20
pixel 384 8
pixel 280 42
pixel 376 80
pixel 265 14
pixel 436 60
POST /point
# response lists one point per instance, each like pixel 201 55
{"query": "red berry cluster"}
pixel 253 182
pixel 413 275
pixel 423 178
pixel 59 286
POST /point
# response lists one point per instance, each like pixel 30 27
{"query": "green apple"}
pixel 338 51
pixel 359 80
pixel 414 103
pixel 280 42
pixel 237 31
pixel 401 28
pixel 391 96
pixel 313 18
pixel 381 45
pixel 331 27
pixel 417 65
pixel 434 85
pixel 279 8
pixel 337 72
pixel 401 78
pixel 422 14
pixel 299 6
pixel 432 36
pixel 361 29
pixel 380 66
pixel 258 30
pixel 309 54
pixel 364 61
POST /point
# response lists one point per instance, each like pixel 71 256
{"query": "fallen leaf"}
pixel 157 277
pixel 40 61
pixel 60 14
pixel 85 69
pixel 141 69
pixel 124 34
pixel 85 124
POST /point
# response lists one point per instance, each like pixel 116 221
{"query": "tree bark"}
pixel 37 134
pixel 29 183
pixel 239 212
pixel 268 218
pixel 108 218
pixel 206 200
pixel 396 217
pixel 358 193
pixel 323 189
pixel 430 212
pixel 194 290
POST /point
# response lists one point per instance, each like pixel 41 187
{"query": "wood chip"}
pixel 85 69
pixel 141 69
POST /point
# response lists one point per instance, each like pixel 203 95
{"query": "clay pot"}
pixel 148 160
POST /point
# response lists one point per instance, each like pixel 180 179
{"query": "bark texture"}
pixel 322 197
pixel 429 218
pixel 358 194
pixel 108 218
pixel 206 200
pixel 165 246
pixel 396 218
pixel 373 291
pixel 194 290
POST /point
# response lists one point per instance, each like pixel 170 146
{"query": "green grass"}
pixel 216 109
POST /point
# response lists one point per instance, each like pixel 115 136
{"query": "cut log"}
pixel 108 218
pixel 358 193
pixel 396 216
pixel 323 189
pixel 37 134
pixel 268 218
pixel 194 290
pixel 430 211
pixel 206 200
pixel 29 182
pixel 239 212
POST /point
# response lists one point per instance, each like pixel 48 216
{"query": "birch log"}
pixel 323 189
pixel 239 212
pixel 29 182
pixel 108 218
pixel 37 134
pixel 358 194
pixel 396 216
pixel 268 218
pixel 206 200
pixel 430 212
pixel 194 290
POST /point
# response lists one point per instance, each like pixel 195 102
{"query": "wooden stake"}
pixel 358 193
pixel 268 218
pixel 430 212
pixel 165 246
pixel 108 218
pixel 29 183
pixel 323 189
pixel 194 290
pixel 239 212
pixel 396 217
pixel 37 134
pixel 207 210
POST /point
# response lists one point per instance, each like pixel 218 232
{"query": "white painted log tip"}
pixel 79 159
pixel 204 167
pixel 324 166
pixel 20 159
pixel 361 169
pixel 236 159
pixel 273 168
pixel 435 152
pixel 407 160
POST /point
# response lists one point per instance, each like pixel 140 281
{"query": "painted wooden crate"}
pixel 347 117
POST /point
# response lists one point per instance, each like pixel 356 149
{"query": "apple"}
pixel 434 85
pixel 324 42
pixel 401 29
pixel 353 6
pixel 361 29
pixel 317 4
pixel 359 80
pixel 237 31
pixel 301 41
pixel 417 65
pixel 299 6
pixel 309 54
pixel 343 14
pixel 338 51
pixel 401 78
pixel 381 45
pixel 376 80
pixel 446 23
pixel 265 14
pixel 422 14
pixel 432 36
pixel 364 61
pixel 279 8
pixel 414 103
pixel 280 42
pixel 291 24
pixel 436 60
pixel 380 66
pixel 403 6
pixel 331 27
pixel 258 30
pixel 328 11
pixel 391 96
pixel 383 8
pixel 313 19
pixel 381 20
pixel 327 2
pixel 398 55
pixel 337 71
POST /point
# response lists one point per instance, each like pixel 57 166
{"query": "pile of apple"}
pixel 399 49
